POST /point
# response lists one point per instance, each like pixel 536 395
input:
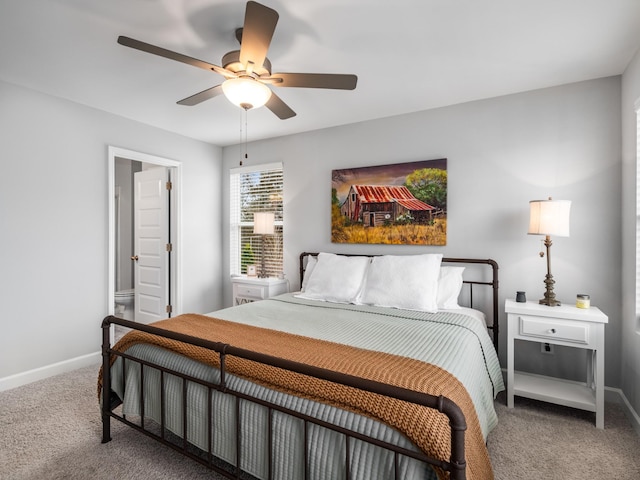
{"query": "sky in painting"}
pixel 393 174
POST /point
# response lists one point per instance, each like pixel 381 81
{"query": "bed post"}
pixel 495 286
pixel 106 380
pixel 458 424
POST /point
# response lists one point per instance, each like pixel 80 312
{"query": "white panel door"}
pixel 151 237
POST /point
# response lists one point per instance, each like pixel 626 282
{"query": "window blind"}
pixel 254 189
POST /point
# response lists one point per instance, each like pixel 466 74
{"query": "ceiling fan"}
pixel 248 71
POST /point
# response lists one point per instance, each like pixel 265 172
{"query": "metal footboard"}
pixel 456 465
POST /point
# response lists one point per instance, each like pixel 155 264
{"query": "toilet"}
pixel 124 300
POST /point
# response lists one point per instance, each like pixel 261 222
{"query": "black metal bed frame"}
pixel 456 465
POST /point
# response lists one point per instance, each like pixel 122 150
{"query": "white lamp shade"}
pixel 549 217
pixel 245 92
pixel 263 223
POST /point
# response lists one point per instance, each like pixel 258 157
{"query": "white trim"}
pixel 176 206
pixel 256 168
pixel 23 378
pixel 617 395
pixel 637 205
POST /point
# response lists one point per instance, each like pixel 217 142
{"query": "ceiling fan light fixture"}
pixel 246 92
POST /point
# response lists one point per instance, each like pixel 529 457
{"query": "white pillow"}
pixel 336 278
pixel 403 281
pixel 449 286
pixel 311 262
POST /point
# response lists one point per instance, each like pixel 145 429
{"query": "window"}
pixel 255 189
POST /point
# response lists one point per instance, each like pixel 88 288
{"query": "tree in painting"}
pixel 430 186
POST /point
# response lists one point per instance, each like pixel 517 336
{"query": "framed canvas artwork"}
pixel 403 203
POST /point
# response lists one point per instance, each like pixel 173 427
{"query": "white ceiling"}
pixel 409 55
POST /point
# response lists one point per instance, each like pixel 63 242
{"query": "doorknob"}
pixel 134 257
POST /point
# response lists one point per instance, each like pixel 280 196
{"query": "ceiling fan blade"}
pixel 202 96
pixel 316 80
pixel 163 52
pixel 259 25
pixel 281 109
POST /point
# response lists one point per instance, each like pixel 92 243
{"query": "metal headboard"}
pixel 494 326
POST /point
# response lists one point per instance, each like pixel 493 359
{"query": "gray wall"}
pixel 562 141
pixel 502 152
pixel 630 324
pixel 54 224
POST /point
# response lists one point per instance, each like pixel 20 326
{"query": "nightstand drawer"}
pixel 554 329
pixel 250 291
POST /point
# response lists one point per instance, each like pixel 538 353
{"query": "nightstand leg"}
pixel 591 364
pixel 599 383
pixel 510 365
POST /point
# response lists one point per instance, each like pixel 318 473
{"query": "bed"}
pixel 356 376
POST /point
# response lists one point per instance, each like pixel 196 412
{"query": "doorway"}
pixel 121 240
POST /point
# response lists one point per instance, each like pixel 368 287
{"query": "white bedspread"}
pixel 430 337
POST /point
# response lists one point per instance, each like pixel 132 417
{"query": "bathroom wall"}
pixel 124 170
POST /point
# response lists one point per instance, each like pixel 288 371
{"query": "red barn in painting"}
pixel 375 205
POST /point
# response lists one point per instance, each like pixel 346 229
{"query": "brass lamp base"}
pixel 549 296
pixel 263 270
pixel 550 303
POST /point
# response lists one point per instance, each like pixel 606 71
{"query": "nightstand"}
pixel 249 289
pixel 563 325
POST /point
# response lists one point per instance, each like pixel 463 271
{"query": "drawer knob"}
pixel 552 330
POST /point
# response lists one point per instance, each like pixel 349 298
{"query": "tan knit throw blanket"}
pixel 427 428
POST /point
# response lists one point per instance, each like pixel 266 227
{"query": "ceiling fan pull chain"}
pixel 243 139
pixel 246 110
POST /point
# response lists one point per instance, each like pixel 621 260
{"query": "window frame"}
pixel 637 111
pixel 238 221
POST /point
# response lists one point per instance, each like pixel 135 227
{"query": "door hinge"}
pixel 169 309
pixel 169 185
pixel 169 247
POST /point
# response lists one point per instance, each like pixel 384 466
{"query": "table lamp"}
pixel 549 217
pixel 263 224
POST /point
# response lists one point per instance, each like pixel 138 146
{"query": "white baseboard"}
pixel 19 379
pixel 618 396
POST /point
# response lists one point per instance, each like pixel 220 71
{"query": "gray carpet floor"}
pixel 51 430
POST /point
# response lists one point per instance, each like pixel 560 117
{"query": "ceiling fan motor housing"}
pixel 231 61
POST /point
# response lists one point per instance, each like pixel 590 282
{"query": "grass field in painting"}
pixel 412 234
